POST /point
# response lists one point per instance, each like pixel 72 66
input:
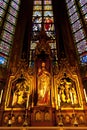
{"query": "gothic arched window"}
pixel 77 11
pixel 42 19
pixel 8 18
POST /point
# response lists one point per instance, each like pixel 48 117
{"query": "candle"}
pixel 1 95
pixel 85 95
pixel 71 98
pixel 59 100
pixel 27 101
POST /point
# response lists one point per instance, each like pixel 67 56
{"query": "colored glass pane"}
pixel 48 7
pixel 42 18
pixel 84 9
pixel 72 10
pixel 83 59
pixel 3 4
pixel 48 19
pixel 4 47
pixel 37 2
pixel 37 8
pixel 33 45
pixel 14 5
pixel 79 35
pixel 2 12
pixel 49 26
pixel 70 4
pixel 7 37
pixel 9 27
pixel 11 19
pixel 13 11
pixel 37 19
pixel 48 13
pixel 82 2
pixel 36 27
pixel 37 13
pixel 76 26
pixel 2 60
pixel 47 2
pixel 82 46
pixel 74 17
pixel 17 1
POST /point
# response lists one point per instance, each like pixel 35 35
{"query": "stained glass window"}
pixel 3 7
pixel 79 34
pixel 10 15
pixel 42 19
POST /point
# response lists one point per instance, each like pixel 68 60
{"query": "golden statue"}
pixel 20 94
pixel 43 86
pixel 67 91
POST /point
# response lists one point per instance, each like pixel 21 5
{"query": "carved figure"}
pixel 67 91
pixel 21 92
pixel 43 86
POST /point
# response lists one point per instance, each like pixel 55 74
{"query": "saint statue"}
pixel 67 91
pixel 43 86
pixel 21 93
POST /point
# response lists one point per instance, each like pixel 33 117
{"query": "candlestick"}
pixel 71 98
pixel 1 95
pixel 27 101
pixel 59 100
pixel 85 95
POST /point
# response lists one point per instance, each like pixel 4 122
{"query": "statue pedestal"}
pixel 42 116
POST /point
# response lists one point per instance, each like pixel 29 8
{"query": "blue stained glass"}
pixel 2 60
pixel 37 13
pixel 48 13
pixel 83 59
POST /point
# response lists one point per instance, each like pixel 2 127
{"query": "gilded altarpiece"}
pixel 67 88
pixel 20 89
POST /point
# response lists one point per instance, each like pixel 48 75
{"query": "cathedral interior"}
pixel 43 64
